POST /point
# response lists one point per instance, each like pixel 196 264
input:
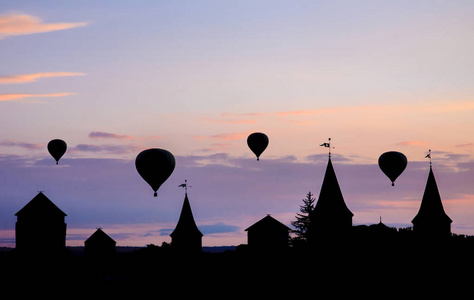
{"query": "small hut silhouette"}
pixel 40 227
pixel 186 236
pixel 99 244
pixel 330 217
pixel 268 234
pixel 431 219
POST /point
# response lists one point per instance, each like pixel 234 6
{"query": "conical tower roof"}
pixel 331 202
pixel 431 208
pixel 186 225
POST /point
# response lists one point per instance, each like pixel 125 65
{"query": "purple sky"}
pixel 228 194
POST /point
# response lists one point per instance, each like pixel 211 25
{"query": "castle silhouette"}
pixel 41 224
pixel 337 256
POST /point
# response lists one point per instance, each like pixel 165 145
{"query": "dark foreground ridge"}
pixel 365 263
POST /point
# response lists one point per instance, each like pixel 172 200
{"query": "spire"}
pixel 330 217
pixel 431 217
pixel 186 236
pixel 186 224
pixel 330 199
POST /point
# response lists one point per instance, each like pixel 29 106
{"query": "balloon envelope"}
pixel 57 148
pixel 392 163
pixel 257 142
pixel 155 166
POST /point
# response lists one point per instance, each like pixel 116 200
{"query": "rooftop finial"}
pixel 327 145
pixel 185 185
pixel 429 156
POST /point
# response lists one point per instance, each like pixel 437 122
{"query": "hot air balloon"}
pixel 392 163
pixel 257 142
pixel 155 166
pixel 57 148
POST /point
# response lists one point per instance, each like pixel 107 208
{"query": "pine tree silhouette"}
pixel 302 219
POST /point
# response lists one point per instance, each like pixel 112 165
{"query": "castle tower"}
pixel 330 217
pixel 40 227
pixel 186 236
pixel 431 219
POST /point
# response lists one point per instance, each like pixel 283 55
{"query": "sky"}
pixel 113 78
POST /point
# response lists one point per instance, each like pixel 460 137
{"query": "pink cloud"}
pixel 230 136
pixel 465 145
pixel 220 121
pixel 223 136
pixel 33 77
pixel 413 143
pixel 22 24
pixel 20 97
pixel 310 112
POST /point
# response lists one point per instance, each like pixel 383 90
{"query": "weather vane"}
pixel 429 156
pixel 185 186
pixel 327 145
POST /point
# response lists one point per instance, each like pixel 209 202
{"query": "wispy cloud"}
pixel 230 136
pixel 22 24
pixel 413 143
pixel 112 149
pixel 11 79
pixel 219 227
pixel 310 111
pixel 115 136
pixel 223 136
pixel 20 97
pixel 233 121
pixel 465 145
pixel 430 107
pixel 29 146
pixel 108 135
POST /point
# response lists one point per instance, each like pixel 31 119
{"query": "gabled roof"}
pixel 267 222
pixel 40 204
pixel 100 236
pixel 330 201
pixel 431 207
pixel 186 224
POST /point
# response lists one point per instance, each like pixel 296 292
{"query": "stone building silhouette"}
pixel 186 236
pixel 40 227
pixel 99 244
pixel 431 219
pixel 330 217
pixel 268 234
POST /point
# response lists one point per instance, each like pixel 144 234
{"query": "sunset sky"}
pixel 112 78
